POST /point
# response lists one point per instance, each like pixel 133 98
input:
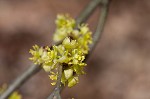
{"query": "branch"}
pixel 99 29
pixel 56 93
pixel 20 80
pixel 100 26
pixel 89 9
pixel 32 70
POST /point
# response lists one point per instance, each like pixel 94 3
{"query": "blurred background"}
pixel 119 67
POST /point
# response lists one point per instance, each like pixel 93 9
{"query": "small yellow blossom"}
pixel 70 53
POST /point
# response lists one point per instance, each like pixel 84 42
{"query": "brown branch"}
pixel 32 70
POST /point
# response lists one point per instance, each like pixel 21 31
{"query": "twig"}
pixel 100 26
pixel 56 93
pixel 32 70
pixel 99 29
pixel 20 80
pixel 84 15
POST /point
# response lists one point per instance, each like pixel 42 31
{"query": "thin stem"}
pixel 84 15
pixel 32 70
pixel 100 26
pixel 56 93
pixel 20 80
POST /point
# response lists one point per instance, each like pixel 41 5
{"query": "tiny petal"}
pixel 72 81
pixel 68 73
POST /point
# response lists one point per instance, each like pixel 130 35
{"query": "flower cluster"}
pixel 69 54
pixel 64 26
pixel 14 95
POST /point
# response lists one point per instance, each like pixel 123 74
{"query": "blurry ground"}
pixel 119 67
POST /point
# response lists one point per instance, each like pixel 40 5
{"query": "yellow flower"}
pixel 69 54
